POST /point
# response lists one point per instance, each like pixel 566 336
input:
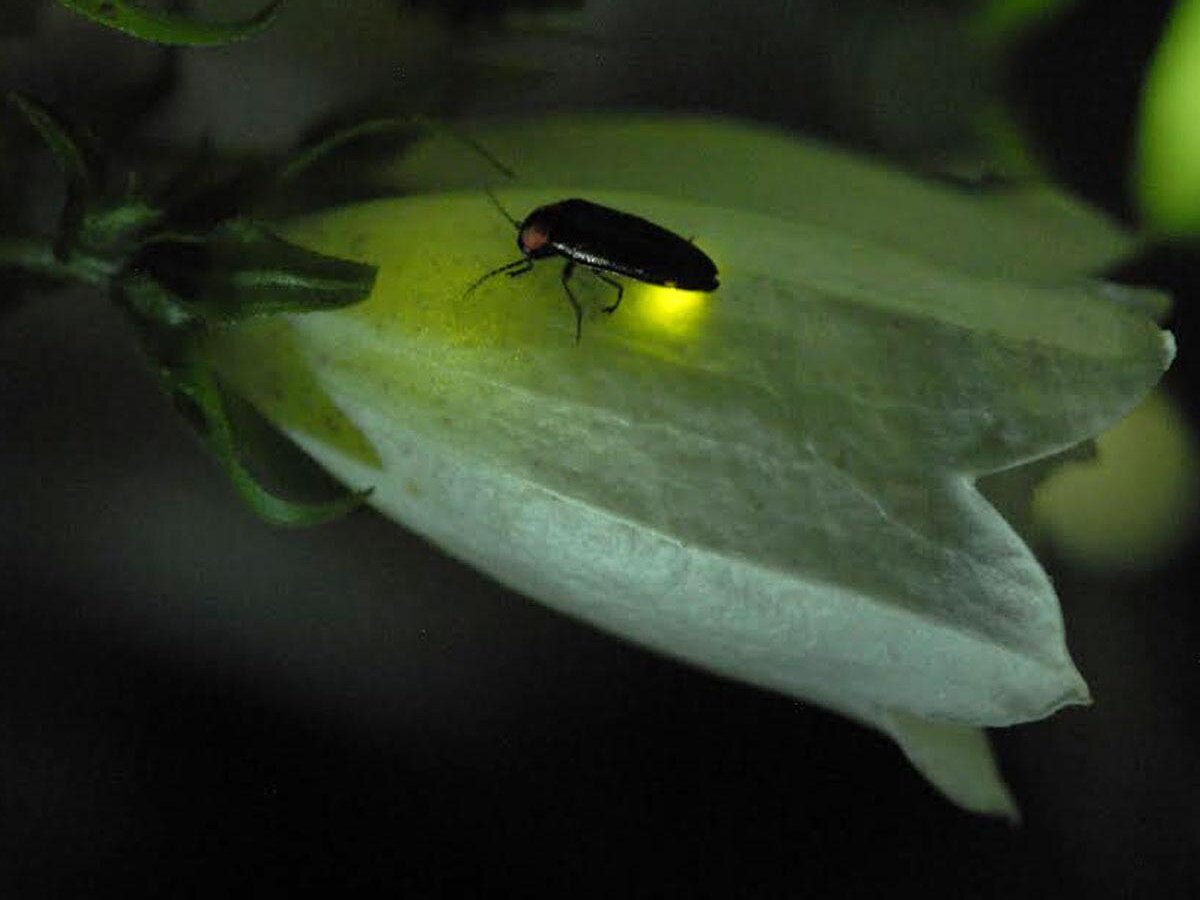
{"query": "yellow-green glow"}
pixel 1168 173
pixel 526 312
pixel 672 310
pixel 1133 505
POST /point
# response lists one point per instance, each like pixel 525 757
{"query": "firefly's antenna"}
pixel 504 212
pixel 388 125
pixel 469 142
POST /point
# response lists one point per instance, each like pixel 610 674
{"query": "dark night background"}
pixel 193 702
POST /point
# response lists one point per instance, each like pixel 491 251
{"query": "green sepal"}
pixel 171 28
pixel 151 304
pixel 117 229
pixel 81 172
pixel 195 388
pixel 240 269
pixel 179 274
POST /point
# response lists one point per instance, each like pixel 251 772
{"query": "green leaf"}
pixel 1004 21
pixel 775 481
pixel 79 171
pixel 241 269
pixel 193 383
pixel 171 28
pixel 57 136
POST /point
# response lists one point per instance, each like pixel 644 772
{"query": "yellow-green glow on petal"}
pixel 1135 504
pixel 528 311
pixel 295 399
pixel 1168 173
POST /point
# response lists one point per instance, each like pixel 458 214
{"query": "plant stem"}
pixel 37 258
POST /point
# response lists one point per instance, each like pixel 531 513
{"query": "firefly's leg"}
pixel 522 265
pixel 566 276
pixel 616 286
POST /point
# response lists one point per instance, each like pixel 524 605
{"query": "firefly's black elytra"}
pixel 605 240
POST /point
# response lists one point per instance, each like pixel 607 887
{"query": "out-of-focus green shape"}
pixel 1000 21
pixel 774 481
pixel 1168 162
pixel 171 28
pixel 1033 233
pixel 1134 504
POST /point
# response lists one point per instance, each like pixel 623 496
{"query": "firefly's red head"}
pixel 532 237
